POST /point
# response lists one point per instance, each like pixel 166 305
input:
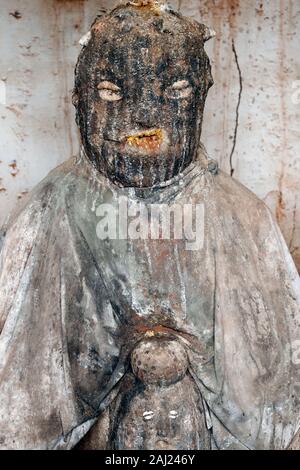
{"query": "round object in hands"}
pixel 159 361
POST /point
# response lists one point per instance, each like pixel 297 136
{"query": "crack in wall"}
pixel 237 112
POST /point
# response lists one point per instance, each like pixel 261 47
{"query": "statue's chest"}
pixel 157 277
pixel 155 260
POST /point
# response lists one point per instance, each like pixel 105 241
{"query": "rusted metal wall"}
pixel 253 111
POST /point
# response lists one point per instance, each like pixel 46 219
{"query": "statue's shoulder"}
pixel 44 197
pixel 239 196
pixel 57 179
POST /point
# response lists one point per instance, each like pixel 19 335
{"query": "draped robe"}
pixel 70 305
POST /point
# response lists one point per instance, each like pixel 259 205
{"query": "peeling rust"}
pixel 13 165
pixel 23 194
pixel 16 14
pixel 15 170
pixel 260 9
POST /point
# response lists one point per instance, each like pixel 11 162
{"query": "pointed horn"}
pixel 142 3
pixel 85 39
pixel 148 3
pixel 208 33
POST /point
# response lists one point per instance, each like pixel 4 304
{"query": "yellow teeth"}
pixel 148 140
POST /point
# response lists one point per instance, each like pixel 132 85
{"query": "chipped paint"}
pixel 16 14
pixel 3 92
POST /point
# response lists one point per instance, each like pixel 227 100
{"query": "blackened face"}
pixel 141 92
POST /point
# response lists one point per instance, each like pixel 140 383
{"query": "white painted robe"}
pixel 67 297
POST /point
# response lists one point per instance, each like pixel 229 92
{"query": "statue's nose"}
pixel 147 113
pixel 145 122
pixel 163 431
pixel 145 118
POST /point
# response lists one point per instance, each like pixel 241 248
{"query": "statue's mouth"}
pixel 149 140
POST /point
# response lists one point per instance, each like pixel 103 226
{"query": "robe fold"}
pixel 69 301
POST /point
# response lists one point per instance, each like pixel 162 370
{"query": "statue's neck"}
pixel 146 173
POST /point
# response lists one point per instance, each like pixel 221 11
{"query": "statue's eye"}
pixel 148 415
pixel 108 91
pixel 173 414
pixel 180 90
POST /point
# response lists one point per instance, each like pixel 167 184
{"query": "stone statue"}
pixel 117 333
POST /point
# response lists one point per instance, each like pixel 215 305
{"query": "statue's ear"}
pixel 207 32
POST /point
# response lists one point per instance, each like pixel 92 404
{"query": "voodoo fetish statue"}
pixel 147 299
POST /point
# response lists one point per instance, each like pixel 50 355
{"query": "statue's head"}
pixel 141 84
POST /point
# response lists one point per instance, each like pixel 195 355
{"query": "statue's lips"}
pixel 150 140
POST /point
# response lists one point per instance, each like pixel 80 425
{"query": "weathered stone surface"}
pixel 85 320
pixel 69 301
pixel 159 360
pixel 141 84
